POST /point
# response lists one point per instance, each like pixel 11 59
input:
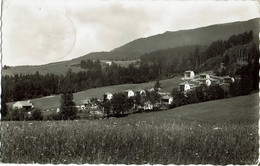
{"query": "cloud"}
pixel 34 34
pixel 37 32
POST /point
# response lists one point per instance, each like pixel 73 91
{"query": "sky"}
pixel 37 32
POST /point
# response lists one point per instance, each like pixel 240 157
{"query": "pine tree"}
pixel 68 110
pixel 4 109
pixel 157 85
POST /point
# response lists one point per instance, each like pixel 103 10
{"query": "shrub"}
pixel 18 114
pixel 37 115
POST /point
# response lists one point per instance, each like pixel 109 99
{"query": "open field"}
pixel 216 132
pixel 53 102
pixel 58 68
pixel 121 63
pixel 242 109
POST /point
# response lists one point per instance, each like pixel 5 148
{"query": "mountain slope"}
pixel 199 36
pixel 136 48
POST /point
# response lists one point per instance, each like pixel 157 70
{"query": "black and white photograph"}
pixel 138 82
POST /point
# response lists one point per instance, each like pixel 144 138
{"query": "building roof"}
pixel 85 101
pixel 227 77
pixel 167 97
pixel 188 71
pixel 183 83
pixel 24 103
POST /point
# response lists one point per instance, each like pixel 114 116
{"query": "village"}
pixel 95 106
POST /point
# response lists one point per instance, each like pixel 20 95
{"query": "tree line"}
pixel 177 60
pixel 22 87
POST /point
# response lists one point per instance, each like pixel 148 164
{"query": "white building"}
pixel 167 100
pixel 204 76
pixel 129 93
pixel 206 82
pixel 141 92
pixel 228 79
pixel 58 110
pixel 185 86
pixel 109 63
pixel 108 96
pixel 189 74
pixel 22 104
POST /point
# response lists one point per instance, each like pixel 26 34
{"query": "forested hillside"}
pixel 155 65
pixel 198 36
pixel 199 58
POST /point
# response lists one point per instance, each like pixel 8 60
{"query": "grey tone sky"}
pixel 39 32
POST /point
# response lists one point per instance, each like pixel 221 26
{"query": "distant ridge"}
pixel 199 36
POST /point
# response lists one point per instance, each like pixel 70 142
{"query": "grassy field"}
pixel 53 102
pixel 216 132
pixel 56 68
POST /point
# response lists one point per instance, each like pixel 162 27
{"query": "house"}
pixel 141 92
pixel 85 103
pixel 109 63
pixel 23 104
pixel 228 79
pixel 108 96
pixel 164 93
pixel 167 100
pixel 185 86
pixel 129 93
pixel 189 74
pixel 58 110
pixel 204 76
pixel 206 82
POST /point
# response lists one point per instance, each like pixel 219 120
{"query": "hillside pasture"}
pixel 121 63
pixel 191 134
pixel 58 68
pixel 237 110
pixel 54 101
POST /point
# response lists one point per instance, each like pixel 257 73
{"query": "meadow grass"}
pixel 132 142
pixel 216 132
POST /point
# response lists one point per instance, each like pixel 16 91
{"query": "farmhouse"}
pixel 22 104
pixel 85 103
pixel 164 93
pixel 58 110
pixel 185 86
pixel 129 93
pixel 189 74
pixel 167 100
pixel 204 76
pixel 206 82
pixel 141 92
pixel 108 96
pixel 228 79
pixel 109 63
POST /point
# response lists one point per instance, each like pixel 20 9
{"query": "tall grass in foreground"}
pixel 128 143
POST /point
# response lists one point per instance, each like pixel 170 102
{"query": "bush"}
pixel 37 115
pixel 17 114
